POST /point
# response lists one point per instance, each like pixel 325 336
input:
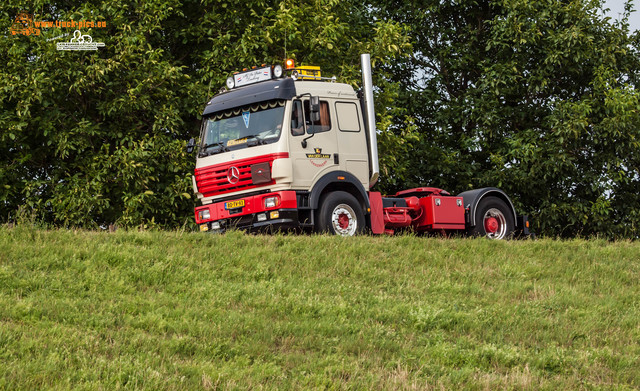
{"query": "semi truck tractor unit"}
pixel 285 147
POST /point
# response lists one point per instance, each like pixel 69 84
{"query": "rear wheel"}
pixel 494 219
pixel 340 214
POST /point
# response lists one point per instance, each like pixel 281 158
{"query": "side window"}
pixel 297 120
pixel 347 114
pixel 323 124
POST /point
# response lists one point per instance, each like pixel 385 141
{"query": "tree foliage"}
pixel 93 138
pixel 537 97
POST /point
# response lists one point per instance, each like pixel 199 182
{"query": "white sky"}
pixel 617 8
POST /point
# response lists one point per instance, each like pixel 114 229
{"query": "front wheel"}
pixel 340 214
pixel 494 219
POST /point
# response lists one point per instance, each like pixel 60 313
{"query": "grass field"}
pixel 171 310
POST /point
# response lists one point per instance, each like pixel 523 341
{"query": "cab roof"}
pixel 254 93
pixel 285 88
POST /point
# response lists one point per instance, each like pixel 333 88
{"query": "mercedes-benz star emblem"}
pixel 233 175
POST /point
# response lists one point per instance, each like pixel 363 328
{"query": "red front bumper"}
pixel 228 214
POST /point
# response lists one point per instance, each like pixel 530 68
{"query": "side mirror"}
pixel 191 145
pixel 314 105
pixel 314 117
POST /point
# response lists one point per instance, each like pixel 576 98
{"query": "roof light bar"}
pixel 256 75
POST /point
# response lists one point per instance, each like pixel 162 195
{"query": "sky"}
pixel 617 8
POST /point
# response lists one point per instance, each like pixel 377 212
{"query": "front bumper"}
pixel 253 215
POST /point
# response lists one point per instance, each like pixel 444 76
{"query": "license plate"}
pixel 204 227
pixel 234 204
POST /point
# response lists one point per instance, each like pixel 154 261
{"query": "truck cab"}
pixel 265 147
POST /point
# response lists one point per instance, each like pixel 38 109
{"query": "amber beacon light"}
pixel 289 64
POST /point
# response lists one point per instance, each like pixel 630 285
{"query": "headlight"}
pixel 230 83
pixel 277 71
pixel 204 214
pixel 271 202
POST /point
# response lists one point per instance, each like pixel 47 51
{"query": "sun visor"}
pixel 243 96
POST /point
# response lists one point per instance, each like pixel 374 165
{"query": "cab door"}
pixel 320 154
pixel 354 155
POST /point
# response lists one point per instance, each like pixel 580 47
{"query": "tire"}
pixel 340 213
pixel 494 219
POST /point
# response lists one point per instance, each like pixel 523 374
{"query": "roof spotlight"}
pixel 277 71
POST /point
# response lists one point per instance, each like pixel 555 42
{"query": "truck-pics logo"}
pixel 23 24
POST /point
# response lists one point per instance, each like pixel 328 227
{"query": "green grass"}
pixel 170 310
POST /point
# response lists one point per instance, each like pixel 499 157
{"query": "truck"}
pixel 282 147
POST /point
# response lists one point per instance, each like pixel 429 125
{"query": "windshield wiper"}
pixel 207 146
pixel 211 145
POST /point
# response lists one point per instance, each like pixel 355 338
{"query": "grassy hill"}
pixel 171 310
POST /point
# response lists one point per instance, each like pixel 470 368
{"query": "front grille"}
pixel 213 180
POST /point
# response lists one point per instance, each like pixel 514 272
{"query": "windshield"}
pixel 242 127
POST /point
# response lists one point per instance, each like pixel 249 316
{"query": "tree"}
pixel 92 138
pixel 539 98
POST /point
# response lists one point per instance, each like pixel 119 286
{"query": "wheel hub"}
pixel 495 224
pixel 343 220
pixel 491 225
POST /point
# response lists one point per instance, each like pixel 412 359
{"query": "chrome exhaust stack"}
pixel 367 86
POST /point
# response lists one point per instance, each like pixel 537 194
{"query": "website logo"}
pixel 23 24
pixel 26 24
pixel 79 42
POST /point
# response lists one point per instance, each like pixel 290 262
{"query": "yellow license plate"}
pixel 204 227
pixel 234 204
